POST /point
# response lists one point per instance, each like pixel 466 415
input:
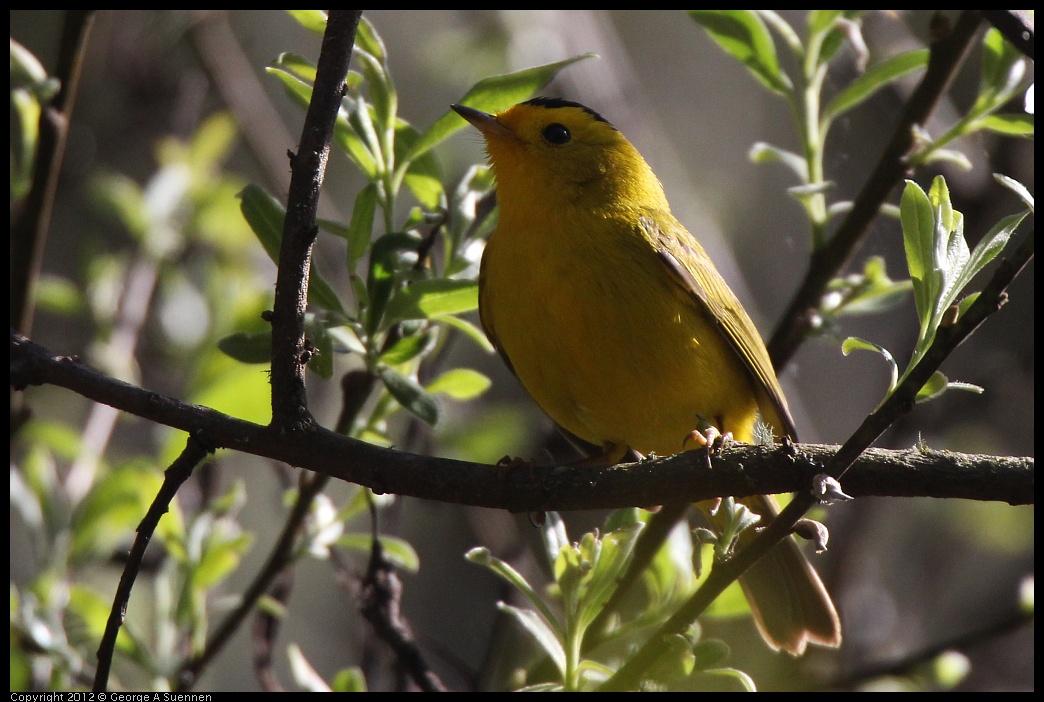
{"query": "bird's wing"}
pixel 691 268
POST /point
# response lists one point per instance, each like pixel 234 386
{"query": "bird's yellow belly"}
pixel 614 351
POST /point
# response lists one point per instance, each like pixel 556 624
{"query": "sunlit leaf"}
pixel 460 384
pixel 876 78
pixel 491 95
pixel 424 299
pixel 312 20
pixel 541 633
pixel 1011 124
pixel 742 34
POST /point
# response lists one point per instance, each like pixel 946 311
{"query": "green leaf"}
pixel 423 174
pixel 408 348
pixel 385 257
pixel 312 20
pixel 602 579
pixel 60 438
pixel 321 361
pixel 425 299
pixel 951 157
pixel 541 632
pixel 988 248
pixel 1013 124
pixel 27 71
pixel 26 112
pixel 346 339
pixel 935 386
pixel 918 222
pixel 213 142
pixel 1002 67
pixel 124 199
pixel 331 227
pixel 58 295
pixel 871 291
pixel 873 80
pixel 222 553
pixel 398 551
pixel 949 669
pixel 382 93
pixel 468 329
pixel 361 120
pixel 710 653
pixel 743 680
pixel 939 196
pixel 762 152
pixel 297 66
pixel 491 95
pixel 112 510
pixel 348 140
pixel 321 294
pixel 1016 187
pixel 361 226
pixel 460 384
pixel 410 395
pixel 854 343
pixel 844 30
pixel 349 680
pixel 367 39
pixel 675 660
pixel 31 503
pixel 298 90
pixel 821 20
pixel 265 216
pixel 248 347
pixel 93 611
pixel 241 390
pixel 967 302
pixel 742 34
pixel 481 556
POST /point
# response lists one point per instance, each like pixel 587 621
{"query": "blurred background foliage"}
pixel 149 263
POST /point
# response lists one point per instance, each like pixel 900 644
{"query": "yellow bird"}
pixel 619 326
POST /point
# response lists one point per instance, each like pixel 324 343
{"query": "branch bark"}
pixel 738 470
pixel 289 400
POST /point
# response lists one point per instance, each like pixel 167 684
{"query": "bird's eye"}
pixel 557 134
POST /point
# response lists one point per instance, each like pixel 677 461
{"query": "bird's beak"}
pixel 486 123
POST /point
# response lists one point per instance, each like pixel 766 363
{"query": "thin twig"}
pixel 381 599
pixel 29 228
pixel 897 404
pixel 178 472
pixel 946 56
pixel 266 629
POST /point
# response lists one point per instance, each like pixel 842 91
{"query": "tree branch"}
pixel 289 400
pixel 30 224
pixel 839 465
pixel 738 470
pixel 947 54
pixel 178 472
pixel 1016 26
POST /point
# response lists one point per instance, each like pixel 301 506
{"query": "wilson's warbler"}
pixel 617 323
